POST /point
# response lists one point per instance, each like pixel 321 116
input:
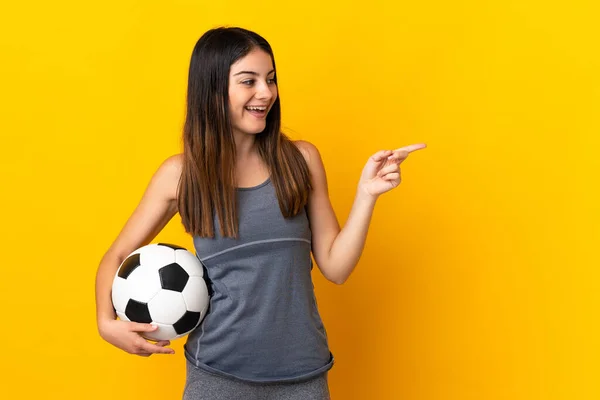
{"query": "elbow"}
pixel 338 280
pixel 336 275
pixel 333 276
pixel 335 272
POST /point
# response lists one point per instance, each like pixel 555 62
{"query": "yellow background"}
pixel 480 275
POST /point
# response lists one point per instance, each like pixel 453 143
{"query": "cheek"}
pixel 234 97
pixel 238 99
pixel 235 103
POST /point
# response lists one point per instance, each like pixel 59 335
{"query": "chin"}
pixel 255 130
pixel 251 128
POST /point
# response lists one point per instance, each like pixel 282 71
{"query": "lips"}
pixel 257 111
pixel 256 108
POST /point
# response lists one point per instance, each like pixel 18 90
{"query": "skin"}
pixel 336 250
pixel 250 84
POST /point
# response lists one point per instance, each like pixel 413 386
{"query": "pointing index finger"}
pixel 412 147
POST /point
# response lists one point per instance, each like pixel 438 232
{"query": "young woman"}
pixel 256 204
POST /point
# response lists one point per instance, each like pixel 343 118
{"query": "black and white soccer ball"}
pixel 161 284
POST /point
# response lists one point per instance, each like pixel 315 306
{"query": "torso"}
pixel 263 323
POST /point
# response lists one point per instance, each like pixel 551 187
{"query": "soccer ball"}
pixel 161 284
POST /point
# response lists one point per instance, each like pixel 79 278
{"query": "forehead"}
pixel 257 60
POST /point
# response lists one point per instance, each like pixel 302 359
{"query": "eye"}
pixel 272 80
pixel 248 82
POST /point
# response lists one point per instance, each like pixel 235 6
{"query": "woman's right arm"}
pixel 156 208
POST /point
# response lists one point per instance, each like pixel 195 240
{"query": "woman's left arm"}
pixel 337 251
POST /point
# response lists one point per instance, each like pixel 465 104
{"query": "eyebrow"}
pixel 252 72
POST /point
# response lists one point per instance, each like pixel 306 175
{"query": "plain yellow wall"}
pixel 480 275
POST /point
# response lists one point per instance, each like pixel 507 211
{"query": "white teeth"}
pixel 256 108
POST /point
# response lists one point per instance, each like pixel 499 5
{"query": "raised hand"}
pixel 382 171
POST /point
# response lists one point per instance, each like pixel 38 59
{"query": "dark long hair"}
pixel 207 182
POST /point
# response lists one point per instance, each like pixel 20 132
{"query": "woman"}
pixel 256 204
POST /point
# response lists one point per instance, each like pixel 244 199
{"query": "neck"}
pixel 245 146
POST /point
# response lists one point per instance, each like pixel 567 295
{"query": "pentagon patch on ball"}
pixel 161 284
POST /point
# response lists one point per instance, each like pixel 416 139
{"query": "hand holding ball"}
pixel 163 285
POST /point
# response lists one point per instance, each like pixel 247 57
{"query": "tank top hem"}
pixel 288 379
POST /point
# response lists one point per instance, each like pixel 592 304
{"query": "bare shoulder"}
pixel 173 163
pixel 308 150
pixel 168 174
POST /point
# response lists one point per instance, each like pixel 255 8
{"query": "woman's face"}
pixel 252 92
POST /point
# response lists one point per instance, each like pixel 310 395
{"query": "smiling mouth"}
pixel 257 111
pixel 256 108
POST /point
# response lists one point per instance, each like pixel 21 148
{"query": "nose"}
pixel 263 91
